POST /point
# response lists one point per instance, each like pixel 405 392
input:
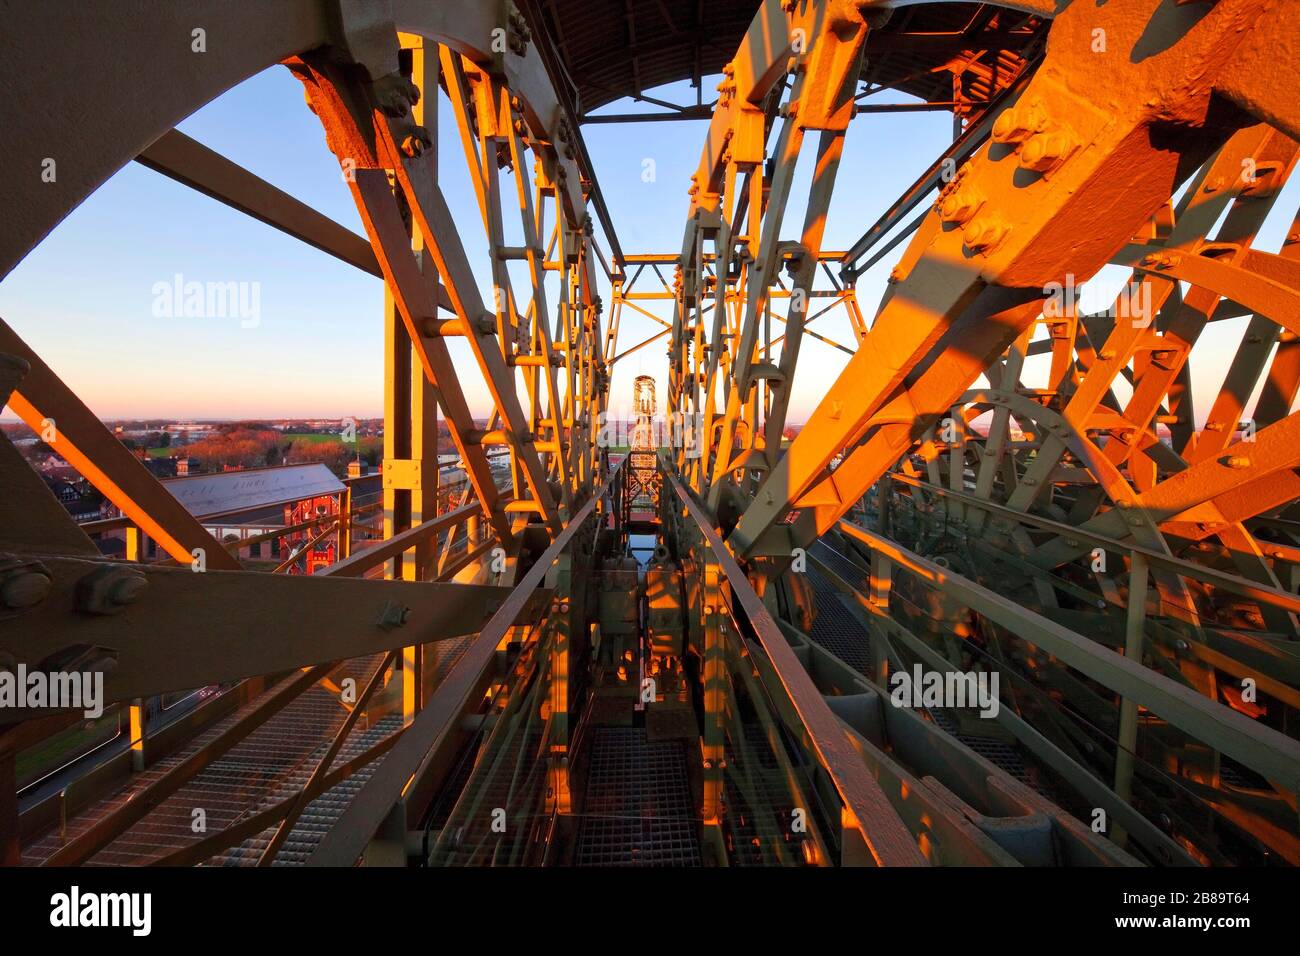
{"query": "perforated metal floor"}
pixel 638 808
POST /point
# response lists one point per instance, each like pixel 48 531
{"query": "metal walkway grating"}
pixel 835 627
pixel 1000 753
pixel 638 808
pixel 228 787
pixel 319 816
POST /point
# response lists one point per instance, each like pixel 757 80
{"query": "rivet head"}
pixel 127 589
pixel 412 145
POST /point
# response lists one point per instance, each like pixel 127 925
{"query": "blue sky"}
pixel 84 298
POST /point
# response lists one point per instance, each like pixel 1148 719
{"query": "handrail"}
pixel 233 547
pixel 332 527
pixel 865 804
pixel 307 525
pixel 343 844
pixel 364 560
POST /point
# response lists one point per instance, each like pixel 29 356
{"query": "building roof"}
pixel 207 495
pixel 59 485
pixel 612 50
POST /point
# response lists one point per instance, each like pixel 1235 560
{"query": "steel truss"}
pixel 1131 576
pixel 1090 157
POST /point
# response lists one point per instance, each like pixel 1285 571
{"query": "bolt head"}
pixel 1046 151
pixel 24 588
pixel 393 615
pixel 127 590
pixel 1017 124
pixel 984 235
pixel 960 205
pixel 411 146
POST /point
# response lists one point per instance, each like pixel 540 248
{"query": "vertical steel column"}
pixel 561 625
pixel 715 677
pixel 137 715
pixel 410 406
pixel 345 523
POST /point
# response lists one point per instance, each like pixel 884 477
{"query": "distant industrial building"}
pixel 254 502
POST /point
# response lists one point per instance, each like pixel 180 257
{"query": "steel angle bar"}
pixel 169 629
pixel 192 164
pixel 312 786
pixel 1074 773
pixel 47 405
pixel 334 527
pixel 654 338
pixel 956 154
pixel 31 517
pixel 250 826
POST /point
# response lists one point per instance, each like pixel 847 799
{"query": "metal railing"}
pixel 872 831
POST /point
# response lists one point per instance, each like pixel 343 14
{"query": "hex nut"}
pixel 109 588
pixel 24 586
pixel 1046 151
pixel 1017 124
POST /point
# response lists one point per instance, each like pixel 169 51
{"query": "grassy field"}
pixel 54 751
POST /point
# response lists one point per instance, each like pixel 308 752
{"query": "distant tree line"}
pixel 253 447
